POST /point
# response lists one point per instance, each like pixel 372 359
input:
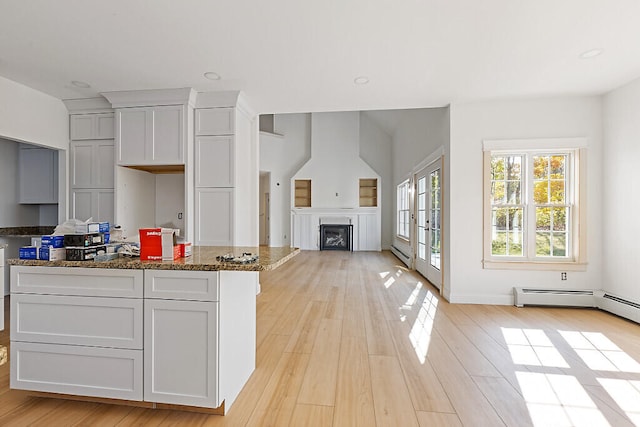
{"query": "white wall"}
pixel 30 116
pixel 13 214
pixel 621 191
pixel 375 149
pixel 283 156
pixel 335 166
pixel 535 118
pixel 419 133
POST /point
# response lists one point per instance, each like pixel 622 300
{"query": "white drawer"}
pixel 85 371
pixel 105 282
pixel 91 321
pixel 181 285
pixel 214 121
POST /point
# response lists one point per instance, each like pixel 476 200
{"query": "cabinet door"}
pixel 38 175
pixel 214 121
pixel 134 129
pixel 81 156
pixel 103 163
pixel 91 126
pixel 167 141
pixel 214 161
pixel 92 203
pixel 180 352
pixel 368 233
pixel 214 216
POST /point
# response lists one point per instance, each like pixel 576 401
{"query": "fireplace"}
pixel 336 237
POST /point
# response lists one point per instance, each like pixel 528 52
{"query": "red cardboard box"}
pixel 150 244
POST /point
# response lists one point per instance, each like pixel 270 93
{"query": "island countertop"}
pixel 203 258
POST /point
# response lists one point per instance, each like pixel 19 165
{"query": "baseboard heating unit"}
pixel 578 298
pixel 401 256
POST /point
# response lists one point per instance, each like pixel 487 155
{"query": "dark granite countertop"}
pixel 203 258
pixel 26 231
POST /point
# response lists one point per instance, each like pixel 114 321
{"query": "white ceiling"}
pixel 301 56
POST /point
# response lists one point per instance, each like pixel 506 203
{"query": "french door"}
pixel 428 208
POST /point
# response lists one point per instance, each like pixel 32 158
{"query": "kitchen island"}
pixel 151 333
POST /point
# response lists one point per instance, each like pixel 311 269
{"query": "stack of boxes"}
pixel 89 241
pixel 158 244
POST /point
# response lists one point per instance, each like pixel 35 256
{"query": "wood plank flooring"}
pixel 355 339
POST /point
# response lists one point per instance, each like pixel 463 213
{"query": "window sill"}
pixel 534 265
pixel 403 239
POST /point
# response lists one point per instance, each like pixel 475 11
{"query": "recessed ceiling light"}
pixel 592 53
pixel 362 80
pixel 80 84
pixel 212 76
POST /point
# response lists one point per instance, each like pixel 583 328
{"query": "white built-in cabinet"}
pixel 91 166
pixel 163 336
pixel 37 175
pixel 91 126
pixel 215 162
pixel 151 135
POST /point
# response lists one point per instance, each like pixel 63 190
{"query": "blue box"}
pixel 107 237
pixel 52 254
pixel 53 241
pixel 28 252
pixel 104 227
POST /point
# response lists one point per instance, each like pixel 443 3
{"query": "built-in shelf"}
pixel 159 169
pixel 368 192
pixel 302 193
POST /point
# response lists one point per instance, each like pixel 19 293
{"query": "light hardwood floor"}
pixel 354 339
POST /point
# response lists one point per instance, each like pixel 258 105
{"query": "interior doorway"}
pixel 428 209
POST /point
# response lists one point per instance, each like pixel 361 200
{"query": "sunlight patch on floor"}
pixel 626 394
pixel 420 334
pixel 599 353
pixel 532 347
pixel 558 400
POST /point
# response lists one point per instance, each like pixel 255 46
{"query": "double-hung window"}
pixel 403 210
pixel 532 203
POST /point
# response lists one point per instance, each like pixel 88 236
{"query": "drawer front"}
pixel 181 285
pixel 214 121
pixel 104 282
pixel 84 371
pixel 101 322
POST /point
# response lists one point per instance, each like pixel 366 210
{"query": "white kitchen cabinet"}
pixel 151 135
pixel 215 121
pixel 214 216
pixel 92 203
pixel 38 175
pixel 77 331
pixel 180 352
pixel 91 126
pixel 91 164
pixel 215 161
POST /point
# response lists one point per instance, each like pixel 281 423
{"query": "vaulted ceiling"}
pixel 301 56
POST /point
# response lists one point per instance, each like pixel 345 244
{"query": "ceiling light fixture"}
pixel 80 84
pixel 591 53
pixel 212 76
pixel 362 80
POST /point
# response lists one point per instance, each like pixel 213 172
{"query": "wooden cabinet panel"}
pixel 167 135
pixel 180 352
pixel 214 161
pixel 214 216
pixel 91 164
pixel 86 371
pixel 92 203
pixel 214 121
pixel 134 128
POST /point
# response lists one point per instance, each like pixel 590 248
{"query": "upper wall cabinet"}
pixel 38 175
pixel 215 121
pixel 151 135
pixel 91 126
pixel 91 164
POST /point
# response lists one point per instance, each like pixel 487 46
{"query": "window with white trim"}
pixel 532 207
pixel 402 207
